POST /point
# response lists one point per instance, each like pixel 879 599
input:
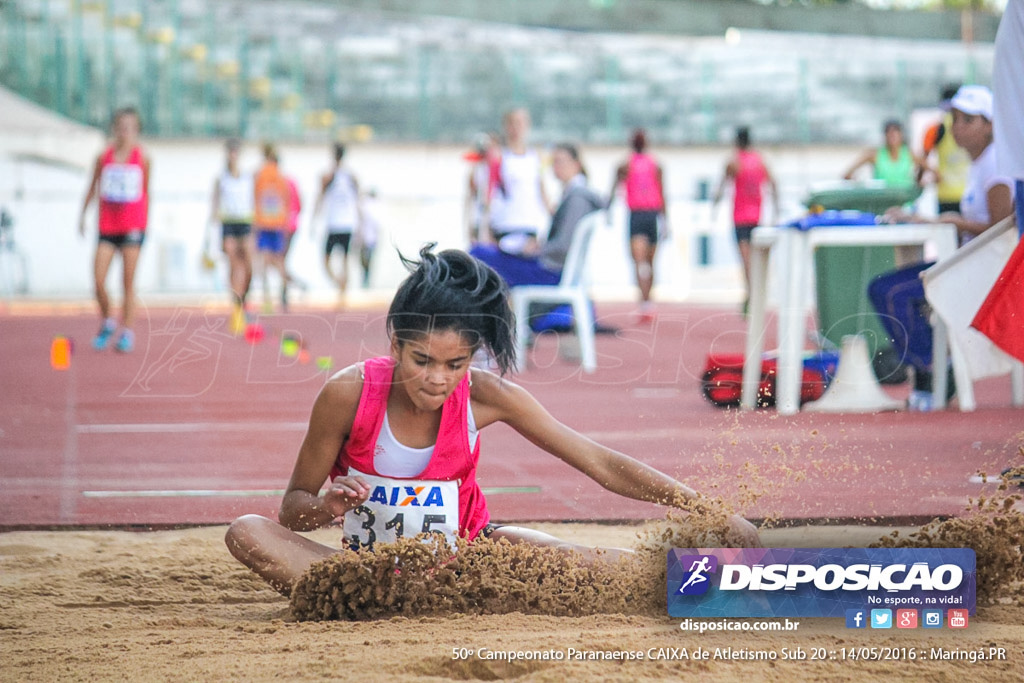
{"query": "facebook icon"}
pixel 856 618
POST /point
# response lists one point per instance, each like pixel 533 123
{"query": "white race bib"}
pixel 398 508
pixel 121 183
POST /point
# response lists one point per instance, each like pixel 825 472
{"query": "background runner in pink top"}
pixel 749 175
pixel 124 199
pixel 645 197
pixel 643 184
pixel 749 179
pixel 120 181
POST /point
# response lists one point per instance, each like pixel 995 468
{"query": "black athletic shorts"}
pixel 337 239
pixel 232 229
pixel 133 238
pixel 743 232
pixel 490 529
pixel 644 224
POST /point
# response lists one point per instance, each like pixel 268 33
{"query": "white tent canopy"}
pixel 28 131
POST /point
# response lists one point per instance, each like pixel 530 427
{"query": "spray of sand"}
pixel 417 577
pixel 420 576
pixel 993 526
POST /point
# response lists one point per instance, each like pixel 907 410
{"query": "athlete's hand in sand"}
pixel 740 530
pixel 346 493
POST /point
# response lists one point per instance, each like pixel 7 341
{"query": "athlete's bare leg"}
pixel 263 259
pixel 744 247
pixel 642 252
pixel 340 278
pixel 101 265
pixel 239 253
pixel 129 259
pixel 278 555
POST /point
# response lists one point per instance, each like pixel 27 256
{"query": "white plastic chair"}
pixel 956 287
pixel 571 289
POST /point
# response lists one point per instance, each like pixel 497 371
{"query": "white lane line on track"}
pixel 212 427
pixel 251 493
pixel 180 427
pixel 988 479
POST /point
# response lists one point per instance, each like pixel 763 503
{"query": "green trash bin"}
pixel 843 273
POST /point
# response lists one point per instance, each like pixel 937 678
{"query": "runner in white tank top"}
pixel 339 197
pixel 232 207
pixel 341 200
pixel 236 198
pixel 519 210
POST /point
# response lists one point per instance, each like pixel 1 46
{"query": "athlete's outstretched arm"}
pixel 303 508
pixel 507 402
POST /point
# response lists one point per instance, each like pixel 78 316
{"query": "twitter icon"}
pixel 881 618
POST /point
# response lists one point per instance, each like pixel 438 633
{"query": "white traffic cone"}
pixel 854 388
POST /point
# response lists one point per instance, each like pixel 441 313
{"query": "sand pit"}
pixel 174 605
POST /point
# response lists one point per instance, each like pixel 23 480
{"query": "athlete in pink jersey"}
pixel 398 437
pixel 121 181
pixel 645 198
pixel 294 209
pixel 748 174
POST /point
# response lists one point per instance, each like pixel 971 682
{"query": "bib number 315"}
pixel 395 525
pixel 397 508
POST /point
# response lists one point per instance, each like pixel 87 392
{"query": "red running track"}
pixel 198 426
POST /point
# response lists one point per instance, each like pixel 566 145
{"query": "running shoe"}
pixel 102 339
pixel 647 317
pixel 920 401
pixel 238 321
pixel 125 342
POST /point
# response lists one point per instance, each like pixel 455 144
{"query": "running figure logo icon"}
pixel 696 581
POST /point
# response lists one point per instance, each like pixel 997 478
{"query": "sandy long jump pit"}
pixel 174 605
pixel 87 605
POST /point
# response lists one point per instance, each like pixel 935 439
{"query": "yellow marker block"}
pixel 60 353
pixel 206 262
pixel 289 348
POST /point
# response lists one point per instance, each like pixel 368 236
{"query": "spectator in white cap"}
pixel 988 198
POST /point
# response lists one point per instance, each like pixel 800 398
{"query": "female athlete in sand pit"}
pixel 398 436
